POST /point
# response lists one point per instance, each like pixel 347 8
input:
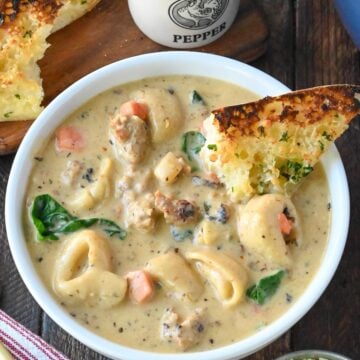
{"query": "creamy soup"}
pixel 180 279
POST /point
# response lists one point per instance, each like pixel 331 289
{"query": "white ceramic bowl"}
pixel 313 354
pixel 135 68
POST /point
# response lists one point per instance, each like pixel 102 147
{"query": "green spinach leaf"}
pixel 181 234
pixel 265 288
pixel 196 98
pixel 51 219
pixel 191 144
pixel 221 215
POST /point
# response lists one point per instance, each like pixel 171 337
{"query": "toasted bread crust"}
pixel 271 144
pixel 301 108
pixel 24 28
pixel 44 10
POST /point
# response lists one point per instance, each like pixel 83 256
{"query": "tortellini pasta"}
pixel 227 277
pixel 89 197
pixel 209 232
pixel 92 283
pixel 175 275
pixel 165 114
pixel 259 228
pixel 4 353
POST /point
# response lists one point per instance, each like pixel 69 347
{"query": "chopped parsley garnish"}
pixel 196 98
pixel 327 136
pixel 28 34
pixel 307 170
pixel 284 136
pixel 212 147
pixel 7 114
pixel 321 145
pixel 17 96
pixel 295 171
pixel 261 187
pixel 207 207
pixel 261 130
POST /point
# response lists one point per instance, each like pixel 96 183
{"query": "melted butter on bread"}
pixel 271 144
pixel 24 27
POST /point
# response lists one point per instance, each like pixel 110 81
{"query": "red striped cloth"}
pixel 23 344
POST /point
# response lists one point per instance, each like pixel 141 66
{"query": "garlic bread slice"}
pixel 24 27
pixel 271 144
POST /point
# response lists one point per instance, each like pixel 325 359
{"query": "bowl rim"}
pixel 138 67
pixel 333 356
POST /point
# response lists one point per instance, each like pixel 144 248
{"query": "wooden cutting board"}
pixel 107 34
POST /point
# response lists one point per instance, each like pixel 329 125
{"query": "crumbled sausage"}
pixel 131 135
pixel 186 333
pixel 176 212
pixel 140 211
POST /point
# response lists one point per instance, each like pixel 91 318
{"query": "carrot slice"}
pixel 285 224
pixel 134 108
pixel 141 287
pixel 69 138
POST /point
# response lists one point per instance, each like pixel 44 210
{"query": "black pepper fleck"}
pixel 200 328
pixel 289 298
pixel 88 175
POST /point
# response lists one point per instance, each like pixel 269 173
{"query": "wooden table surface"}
pixel 307 46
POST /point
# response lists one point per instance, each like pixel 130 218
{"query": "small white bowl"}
pixel 312 354
pixel 156 64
